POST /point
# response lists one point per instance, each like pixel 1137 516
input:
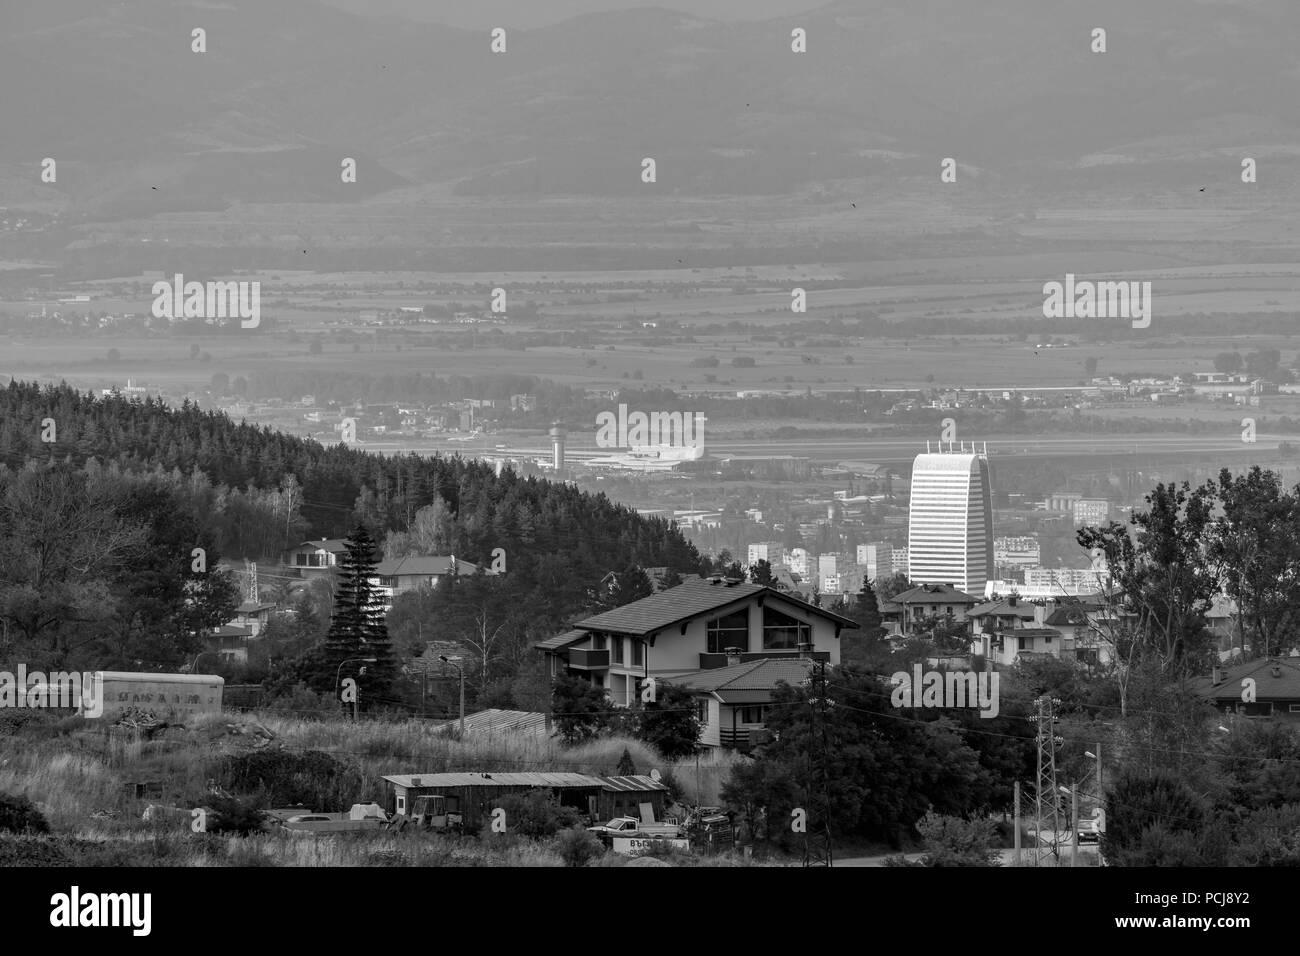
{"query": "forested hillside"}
pixel 242 491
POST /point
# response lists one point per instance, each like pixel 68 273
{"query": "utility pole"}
pixel 456 663
pixel 1047 807
pixel 1016 823
pixel 817 848
pixel 1074 825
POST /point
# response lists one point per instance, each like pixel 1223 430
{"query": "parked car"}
pixel 630 826
pixel 1091 829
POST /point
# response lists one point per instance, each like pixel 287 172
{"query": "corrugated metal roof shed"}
pixel 496 721
pixel 468 779
pixel 637 782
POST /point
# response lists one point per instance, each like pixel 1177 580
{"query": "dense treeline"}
pixel 252 492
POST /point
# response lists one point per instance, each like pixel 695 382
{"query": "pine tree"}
pixel 357 628
pixel 866 610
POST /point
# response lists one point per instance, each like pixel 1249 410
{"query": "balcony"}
pixel 744 739
pixel 710 661
pixel 589 660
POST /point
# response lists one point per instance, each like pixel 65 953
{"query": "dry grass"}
pixel 82 777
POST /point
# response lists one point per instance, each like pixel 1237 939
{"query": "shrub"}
pixel 577 846
pixel 1136 804
pixel 19 815
pixel 283 779
pixel 952 841
pixel 534 813
pixel 234 815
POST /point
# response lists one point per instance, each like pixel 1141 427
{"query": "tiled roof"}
pixel 231 630
pixel 686 601
pixel 1003 609
pixel 754 676
pixel 560 640
pixel 744 696
pixel 333 545
pixel 249 607
pixel 1067 616
pixel 934 594
pixel 423 565
pixel 1285 686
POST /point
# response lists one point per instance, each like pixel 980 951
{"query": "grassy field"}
pixel 82 776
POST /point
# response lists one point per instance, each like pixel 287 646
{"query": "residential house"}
pixel 932 600
pixel 399 575
pixel 1005 629
pixel 694 626
pixel 230 642
pixel 311 558
pixel 253 615
pixel 732 702
pixel 1267 687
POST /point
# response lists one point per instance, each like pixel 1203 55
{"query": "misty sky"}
pixel 484 14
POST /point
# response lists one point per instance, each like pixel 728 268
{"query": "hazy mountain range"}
pixel 140 124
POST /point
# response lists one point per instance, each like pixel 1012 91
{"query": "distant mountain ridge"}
pixel 114 93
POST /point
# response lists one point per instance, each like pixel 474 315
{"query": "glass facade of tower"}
pixel 950 522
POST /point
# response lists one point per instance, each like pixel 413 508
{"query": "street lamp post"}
pixel 339 672
pixel 461 671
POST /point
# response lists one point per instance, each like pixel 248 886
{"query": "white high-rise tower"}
pixel 950 521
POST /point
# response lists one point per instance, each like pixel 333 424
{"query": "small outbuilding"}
pixel 474 795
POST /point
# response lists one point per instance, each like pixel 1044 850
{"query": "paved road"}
pixel 1006 855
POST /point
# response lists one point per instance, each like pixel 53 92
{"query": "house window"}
pixel 300 559
pixel 315 560
pixel 401 803
pixel 598 642
pixel 783 632
pixel 702 710
pixel 731 630
pixel 752 715
pixel 949 609
pixel 638 653
pixel 1263 708
pixel 1293 708
pixel 1047 638
pixel 1026 643
pixel 616 650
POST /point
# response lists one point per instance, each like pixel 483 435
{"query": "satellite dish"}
pixel 654 775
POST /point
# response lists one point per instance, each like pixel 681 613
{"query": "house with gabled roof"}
pixel 932 600
pixel 313 558
pixel 398 575
pixel 1262 688
pixel 733 702
pixel 695 626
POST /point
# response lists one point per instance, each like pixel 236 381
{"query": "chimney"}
pixel 1276 670
pixel 716 579
pixel 1014 599
pixel 733 655
pixel 805 651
